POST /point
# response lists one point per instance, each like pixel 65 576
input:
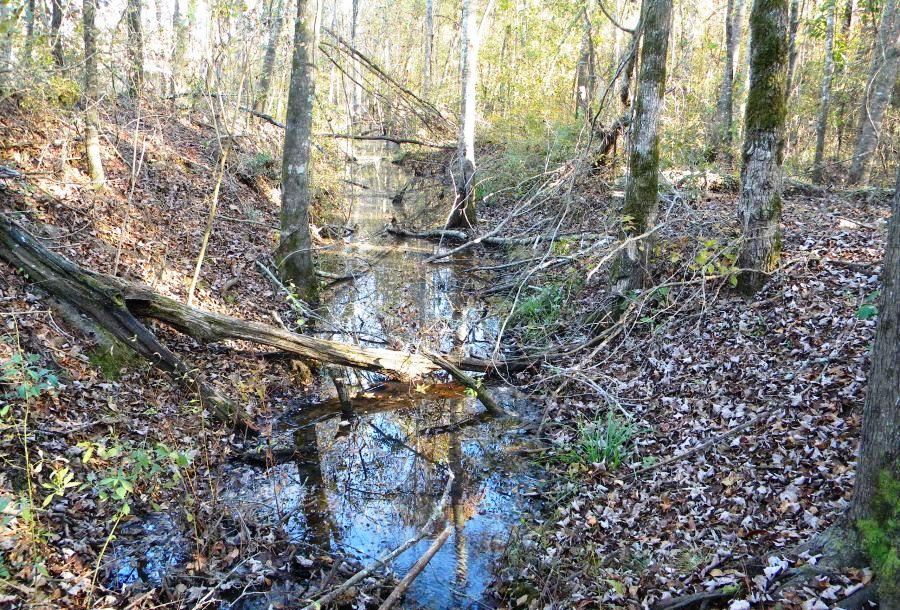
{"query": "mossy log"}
pixel 116 304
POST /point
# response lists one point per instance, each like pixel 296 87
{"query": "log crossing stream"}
pixel 360 482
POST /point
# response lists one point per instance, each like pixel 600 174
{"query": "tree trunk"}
pixel 793 26
pixel 429 47
pixel 828 74
pixel 135 48
pixel 7 21
pixel 56 18
pixel 180 31
pixel 641 189
pixel 585 76
pixel 759 209
pixel 29 32
pixel 878 93
pixel 355 85
pixel 879 450
pixel 265 77
pixel 721 136
pixel 90 95
pixel 294 253
pixel 464 213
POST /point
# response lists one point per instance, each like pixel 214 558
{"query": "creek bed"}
pixel 360 482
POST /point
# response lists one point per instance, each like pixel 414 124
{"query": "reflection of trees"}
pixel 315 503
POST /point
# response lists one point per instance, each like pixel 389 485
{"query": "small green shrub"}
pixel 604 440
pixel 27 379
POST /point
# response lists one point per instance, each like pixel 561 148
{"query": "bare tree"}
pixel 825 104
pixel 29 32
pixel 56 17
pixel 761 179
pixel 90 95
pixel 135 47
pixel 180 32
pixel 641 188
pixel 275 22
pixel 793 26
pixel 585 74
pixel 429 46
pixel 720 136
pixel 7 28
pixel 294 253
pixel 464 213
pixel 878 93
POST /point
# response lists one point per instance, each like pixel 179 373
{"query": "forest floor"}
pixel 737 420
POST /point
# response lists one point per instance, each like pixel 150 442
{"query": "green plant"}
pixel 61 479
pixel 881 533
pixel 604 440
pixel 28 379
pixel 125 469
pixel 714 259
pixel 540 309
pixel 869 307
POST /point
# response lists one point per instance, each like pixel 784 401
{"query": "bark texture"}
pixel 825 103
pixel 135 47
pixel 464 213
pixel 882 78
pixel 265 78
pixel 759 209
pixel 294 253
pixel 721 135
pixel 90 96
pixel 879 450
pixel 641 189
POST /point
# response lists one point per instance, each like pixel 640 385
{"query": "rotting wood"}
pixel 488 240
pixel 97 297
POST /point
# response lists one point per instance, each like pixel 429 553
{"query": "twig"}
pixel 417 568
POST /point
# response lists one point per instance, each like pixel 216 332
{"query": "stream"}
pixel 363 481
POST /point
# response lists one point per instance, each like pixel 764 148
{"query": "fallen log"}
pixel 115 305
pixel 96 297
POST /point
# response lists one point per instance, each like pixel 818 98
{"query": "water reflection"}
pixel 366 474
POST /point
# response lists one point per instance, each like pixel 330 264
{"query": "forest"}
pixel 449 304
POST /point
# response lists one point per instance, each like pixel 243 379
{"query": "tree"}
pixel 720 135
pixel 429 46
pixel 7 28
pixel 180 30
pixel 90 95
pixel 294 253
pixel 882 78
pixel 29 31
pixel 265 77
pixel 793 26
pixel 879 449
pixel 825 104
pixel 56 18
pixel 585 76
pixel 135 47
pixel 641 188
pixel 464 213
pixel 759 210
